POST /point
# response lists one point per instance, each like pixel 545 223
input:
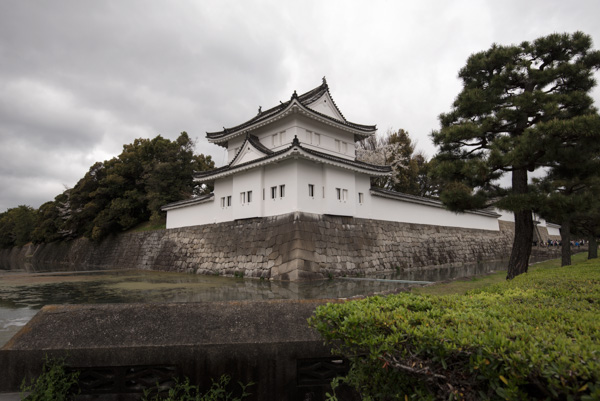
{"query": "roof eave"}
pixel 296 107
pixel 292 152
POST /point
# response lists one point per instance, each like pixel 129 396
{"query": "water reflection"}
pixel 23 293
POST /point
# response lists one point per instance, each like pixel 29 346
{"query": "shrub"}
pixel 184 391
pixel 54 384
pixel 535 337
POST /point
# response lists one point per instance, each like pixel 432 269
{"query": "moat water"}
pixel 23 294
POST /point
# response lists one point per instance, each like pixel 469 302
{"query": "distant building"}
pixel 299 156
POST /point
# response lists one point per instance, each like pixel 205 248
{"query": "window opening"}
pixel 249 196
pixel 311 190
pixel 281 191
pixel 273 192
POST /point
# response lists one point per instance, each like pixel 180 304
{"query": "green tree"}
pixel 17 225
pixel 572 184
pixel 120 193
pixel 501 121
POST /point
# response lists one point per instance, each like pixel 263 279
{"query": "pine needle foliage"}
pixel 520 107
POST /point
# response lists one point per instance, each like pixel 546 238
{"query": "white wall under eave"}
pixel 407 212
pixel 310 173
pixel 334 178
pixel 192 215
pixel 553 230
pixel 283 173
pixel 505 215
pixel 363 185
pixel 222 189
pixel 327 138
pixel 251 180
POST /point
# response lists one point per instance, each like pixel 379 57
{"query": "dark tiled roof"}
pixel 187 202
pixel 296 143
pixel 252 139
pixel 304 99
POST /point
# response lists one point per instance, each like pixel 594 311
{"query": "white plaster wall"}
pixel 233 146
pixel 390 209
pixel 363 184
pixel 328 136
pixel 251 180
pixel 324 105
pixel 310 173
pixel 553 230
pixel 339 178
pixel 223 189
pixel 284 173
pixel 284 129
pixel 505 215
pixel 193 215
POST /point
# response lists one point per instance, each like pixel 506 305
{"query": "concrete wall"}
pixel 118 348
pixel 295 246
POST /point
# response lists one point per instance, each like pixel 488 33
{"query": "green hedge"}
pixel 535 337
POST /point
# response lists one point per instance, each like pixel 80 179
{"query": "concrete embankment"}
pixel 120 349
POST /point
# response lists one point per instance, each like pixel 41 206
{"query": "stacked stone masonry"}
pixel 292 247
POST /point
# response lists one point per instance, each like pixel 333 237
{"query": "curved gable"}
pixel 250 150
pixel 325 105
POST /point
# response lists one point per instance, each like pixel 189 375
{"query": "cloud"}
pixel 80 79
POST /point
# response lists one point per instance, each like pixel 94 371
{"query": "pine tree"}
pixel 501 123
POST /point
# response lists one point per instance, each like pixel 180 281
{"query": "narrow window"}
pixel 223 202
pixel 282 137
pixel 263 194
pixel 281 191
pixel 309 137
pixel 361 198
pixel 344 147
pixel 317 140
pixel 275 140
pixel 338 191
pixel 337 145
pixel 249 196
pixel 229 201
pixel 311 190
pixel 344 195
pixel 243 198
pixel 273 192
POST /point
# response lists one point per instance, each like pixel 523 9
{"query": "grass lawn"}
pixel 149 226
pixel 461 286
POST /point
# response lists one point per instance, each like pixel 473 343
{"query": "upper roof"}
pixel 301 102
pixel 294 150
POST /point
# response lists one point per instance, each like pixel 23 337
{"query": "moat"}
pixel 23 293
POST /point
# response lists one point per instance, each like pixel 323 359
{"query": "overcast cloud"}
pixel 78 79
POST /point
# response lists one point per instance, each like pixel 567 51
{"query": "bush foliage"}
pixel 535 337
pixel 54 384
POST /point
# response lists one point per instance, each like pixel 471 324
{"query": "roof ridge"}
pixel 304 100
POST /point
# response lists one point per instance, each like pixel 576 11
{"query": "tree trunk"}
pixel 521 249
pixel 565 237
pixel 593 247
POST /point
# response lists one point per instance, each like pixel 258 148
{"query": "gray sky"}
pixel 78 79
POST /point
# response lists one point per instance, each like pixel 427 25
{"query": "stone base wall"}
pixel 293 247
